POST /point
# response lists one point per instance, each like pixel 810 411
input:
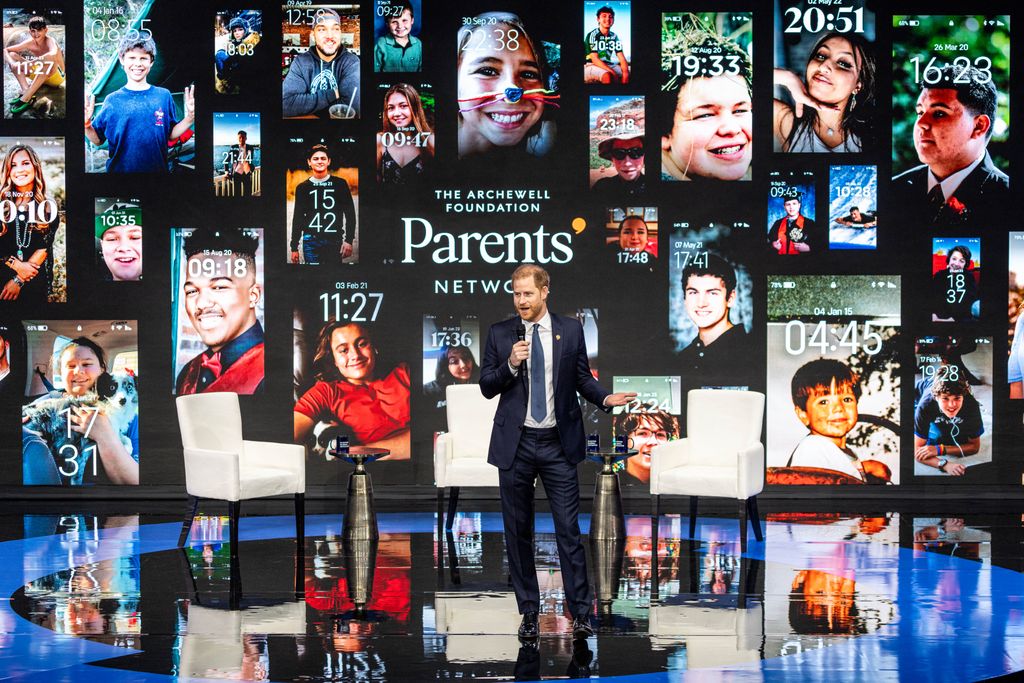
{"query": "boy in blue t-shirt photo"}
pixel 137 120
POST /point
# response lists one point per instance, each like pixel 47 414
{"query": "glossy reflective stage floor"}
pixel 883 596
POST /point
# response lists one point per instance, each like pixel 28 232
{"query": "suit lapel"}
pixel 556 348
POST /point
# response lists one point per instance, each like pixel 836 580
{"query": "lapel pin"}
pixel 558 337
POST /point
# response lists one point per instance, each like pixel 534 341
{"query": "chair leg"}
pixel 743 526
pixel 693 516
pixel 755 518
pixel 453 502
pixel 440 506
pixel 234 512
pixel 656 504
pixel 186 525
pixel 453 558
pixel 300 520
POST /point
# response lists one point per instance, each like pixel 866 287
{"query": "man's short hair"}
pixel 318 147
pixel 715 266
pixel 605 9
pixel 240 242
pixel 795 197
pixel 137 43
pixel 950 387
pixel 977 97
pixel 540 276
pixel 854 208
pixel 242 132
pixel 37 22
pixel 817 376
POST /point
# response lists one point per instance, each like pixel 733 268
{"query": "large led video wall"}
pixel 808 198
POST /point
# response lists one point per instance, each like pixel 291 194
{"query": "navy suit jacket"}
pixel 983 197
pixel 571 370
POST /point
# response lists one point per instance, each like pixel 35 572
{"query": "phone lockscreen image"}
pixel 956 279
pixel 791 212
pixel 140 104
pixel 217 310
pixel 35 73
pixel 81 416
pixel 952 404
pixel 320 61
pixel 118 239
pixel 237 154
pixel 833 379
pixel 853 207
pixel 825 77
pixel 951 119
pixel 705 112
pixel 236 43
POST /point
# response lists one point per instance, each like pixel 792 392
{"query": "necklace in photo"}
pixel 22 237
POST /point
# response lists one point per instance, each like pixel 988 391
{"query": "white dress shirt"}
pixel 952 182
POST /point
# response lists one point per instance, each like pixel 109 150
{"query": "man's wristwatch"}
pixel 942 464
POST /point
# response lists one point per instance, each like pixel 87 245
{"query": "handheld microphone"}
pixel 521 336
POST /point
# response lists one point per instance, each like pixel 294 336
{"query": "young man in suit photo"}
pixel 537 362
pixel 957 184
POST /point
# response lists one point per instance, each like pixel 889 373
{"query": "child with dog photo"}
pixel 81 425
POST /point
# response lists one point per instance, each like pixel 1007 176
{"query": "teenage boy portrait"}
pixel 139 119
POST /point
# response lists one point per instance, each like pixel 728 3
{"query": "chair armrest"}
pixel 665 457
pixel 212 474
pixel 750 471
pixel 442 456
pixel 281 456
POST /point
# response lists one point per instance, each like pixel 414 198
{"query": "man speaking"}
pixel 537 362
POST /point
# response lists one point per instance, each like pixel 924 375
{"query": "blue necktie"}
pixel 538 387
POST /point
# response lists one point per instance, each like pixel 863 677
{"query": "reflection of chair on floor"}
pixel 478 626
pixel 717 630
pixel 226 643
pixel 722 455
pixel 714 634
pixel 460 454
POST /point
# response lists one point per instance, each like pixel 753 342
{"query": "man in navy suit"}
pixel 538 430
pixel 957 185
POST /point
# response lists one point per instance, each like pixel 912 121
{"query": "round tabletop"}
pixel 610 454
pixel 360 454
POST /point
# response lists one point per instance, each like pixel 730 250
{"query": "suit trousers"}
pixel 540 453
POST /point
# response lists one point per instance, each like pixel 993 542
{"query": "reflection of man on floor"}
pixel 947 423
pixel 44 65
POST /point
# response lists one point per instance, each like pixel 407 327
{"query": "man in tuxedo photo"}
pixel 537 362
pixel 957 183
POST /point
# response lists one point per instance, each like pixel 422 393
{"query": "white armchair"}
pixel 220 464
pixel 460 454
pixel 722 455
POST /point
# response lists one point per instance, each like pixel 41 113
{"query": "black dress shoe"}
pixel 529 630
pixel 581 627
